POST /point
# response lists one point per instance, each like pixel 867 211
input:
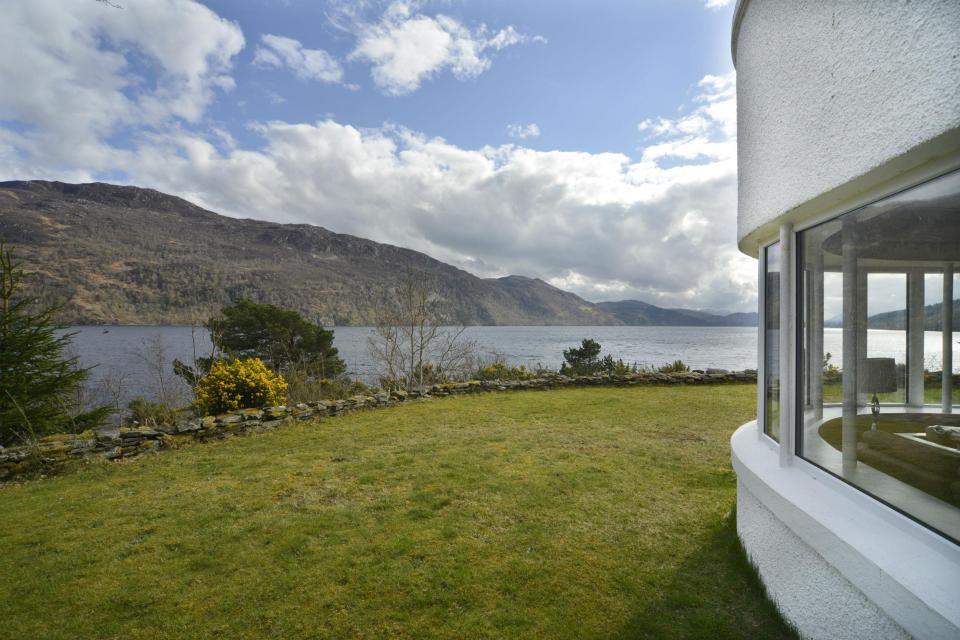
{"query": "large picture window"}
pixel 878 394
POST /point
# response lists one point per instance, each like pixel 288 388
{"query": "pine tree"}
pixel 582 361
pixel 280 337
pixel 38 384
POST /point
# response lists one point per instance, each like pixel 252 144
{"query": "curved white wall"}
pixel 837 98
pixel 839 564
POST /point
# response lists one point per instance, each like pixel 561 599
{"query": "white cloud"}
pixel 405 48
pixel 274 97
pixel 709 132
pixel 523 131
pixel 75 84
pixel 716 4
pixel 279 52
pixel 659 228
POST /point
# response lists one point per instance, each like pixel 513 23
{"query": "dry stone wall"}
pixel 52 453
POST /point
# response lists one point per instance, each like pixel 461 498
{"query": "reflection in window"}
pixel 771 346
pixel 877 358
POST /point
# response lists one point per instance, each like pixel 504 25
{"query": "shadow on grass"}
pixel 714 593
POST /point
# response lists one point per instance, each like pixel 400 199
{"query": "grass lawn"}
pixel 578 513
pixel 932 394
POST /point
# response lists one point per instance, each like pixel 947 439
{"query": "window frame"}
pixel 796 386
pixel 762 346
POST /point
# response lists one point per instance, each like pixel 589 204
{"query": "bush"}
pixel 426 374
pixel 239 384
pixel 586 361
pixel 500 369
pixel 303 386
pixel 150 414
pixel 618 367
pixel 677 366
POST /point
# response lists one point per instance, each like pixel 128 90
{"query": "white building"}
pixel 849 165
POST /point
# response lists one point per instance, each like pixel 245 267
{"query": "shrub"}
pixel 303 386
pixel 500 369
pixel 677 366
pixel 239 384
pixel 150 414
pixel 586 361
pixel 426 374
pixel 831 372
pixel 618 366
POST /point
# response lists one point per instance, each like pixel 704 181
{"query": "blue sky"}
pixel 590 144
pixel 606 66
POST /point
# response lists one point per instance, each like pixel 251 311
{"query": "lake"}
pixel 127 356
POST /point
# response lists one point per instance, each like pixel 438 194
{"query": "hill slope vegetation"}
pixel 126 255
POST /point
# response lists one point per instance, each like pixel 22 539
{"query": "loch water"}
pixel 131 354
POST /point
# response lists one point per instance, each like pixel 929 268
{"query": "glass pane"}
pixel 934 339
pixel 870 326
pixel 771 346
pixel 832 317
pixel 887 328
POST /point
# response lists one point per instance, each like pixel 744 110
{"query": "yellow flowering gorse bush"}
pixel 240 384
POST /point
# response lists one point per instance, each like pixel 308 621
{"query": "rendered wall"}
pixel 809 592
pixel 838 563
pixel 835 97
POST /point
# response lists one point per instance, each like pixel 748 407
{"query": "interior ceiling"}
pixel 920 228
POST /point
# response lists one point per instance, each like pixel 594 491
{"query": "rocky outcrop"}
pixel 52 453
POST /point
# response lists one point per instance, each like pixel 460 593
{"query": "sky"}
pixel 590 144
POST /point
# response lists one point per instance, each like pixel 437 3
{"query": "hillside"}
pixel 635 312
pixel 897 320
pixel 932 318
pixel 126 255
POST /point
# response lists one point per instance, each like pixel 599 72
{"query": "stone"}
pixel 189 427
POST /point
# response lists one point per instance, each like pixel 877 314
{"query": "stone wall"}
pixel 52 453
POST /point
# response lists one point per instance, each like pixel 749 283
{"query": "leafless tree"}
pixel 414 341
pixel 168 390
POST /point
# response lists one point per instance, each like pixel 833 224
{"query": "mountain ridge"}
pixel 638 313
pixel 117 254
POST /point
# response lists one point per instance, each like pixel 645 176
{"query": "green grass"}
pixel 833 393
pixel 580 513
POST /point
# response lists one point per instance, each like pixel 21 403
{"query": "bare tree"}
pixel 414 342
pixel 108 390
pixel 199 365
pixel 168 390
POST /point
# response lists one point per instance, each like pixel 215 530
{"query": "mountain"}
pixel 897 320
pixel 126 255
pixel 635 312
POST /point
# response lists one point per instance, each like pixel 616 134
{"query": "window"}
pixel 771 345
pixel 877 359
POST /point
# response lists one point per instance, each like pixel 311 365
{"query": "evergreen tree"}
pixel 280 337
pixel 38 385
pixel 582 361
